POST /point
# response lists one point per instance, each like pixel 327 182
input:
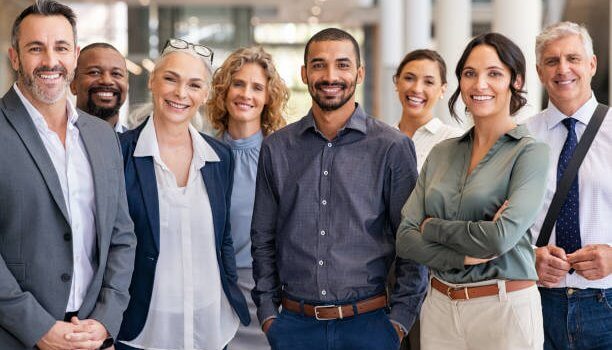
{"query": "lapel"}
pixel 145 170
pixel 215 189
pixel 99 170
pixel 19 118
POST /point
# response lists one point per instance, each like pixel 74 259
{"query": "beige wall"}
pixel 9 10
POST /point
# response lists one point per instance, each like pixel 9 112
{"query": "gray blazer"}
pixel 35 235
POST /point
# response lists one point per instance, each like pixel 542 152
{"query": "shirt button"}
pixel 329 144
pixel 323 292
pixel 321 262
pixel 325 172
pixel 324 202
pixel 65 277
pixel 323 232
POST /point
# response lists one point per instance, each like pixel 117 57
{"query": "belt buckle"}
pixel 316 311
pixel 452 289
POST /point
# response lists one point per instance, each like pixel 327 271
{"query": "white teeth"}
pixel 243 105
pixel 105 94
pixel 331 89
pixel 564 82
pixel 176 105
pixel 482 98
pixel 415 99
pixel 49 76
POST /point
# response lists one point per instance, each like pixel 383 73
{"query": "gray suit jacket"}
pixel 35 235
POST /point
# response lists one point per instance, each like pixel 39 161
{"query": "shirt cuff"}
pixel 403 317
pixel 400 326
pixel 266 310
pixel 266 320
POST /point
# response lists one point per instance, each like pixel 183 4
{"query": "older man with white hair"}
pixel 573 231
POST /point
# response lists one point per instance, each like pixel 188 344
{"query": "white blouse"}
pixel 429 135
pixel 189 309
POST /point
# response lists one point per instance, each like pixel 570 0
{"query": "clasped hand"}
pixel 593 262
pixel 77 334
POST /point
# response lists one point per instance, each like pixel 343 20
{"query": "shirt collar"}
pixel 357 121
pixel 433 125
pixel 38 118
pixel 516 133
pixel 147 146
pixel 252 141
pixel 554 116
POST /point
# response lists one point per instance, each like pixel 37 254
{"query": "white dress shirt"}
pixel 595 188
pixel 72 166
pixel 429 135
pixel 188 309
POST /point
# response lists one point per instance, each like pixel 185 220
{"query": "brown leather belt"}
pixel 334 312
pixel 465 293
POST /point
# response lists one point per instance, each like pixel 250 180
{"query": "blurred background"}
pixel 386 30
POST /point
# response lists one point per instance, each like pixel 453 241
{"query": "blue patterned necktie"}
pixel 568 221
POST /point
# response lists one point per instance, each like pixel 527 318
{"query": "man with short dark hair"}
pixel 101 82
pixel 575 267
pixel 329 193
pixel 66 239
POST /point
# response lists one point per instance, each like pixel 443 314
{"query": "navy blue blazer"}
pixel 141 187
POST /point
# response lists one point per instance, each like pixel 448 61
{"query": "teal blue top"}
pixel 462 207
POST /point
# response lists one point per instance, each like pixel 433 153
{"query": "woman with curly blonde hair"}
pixel 247 100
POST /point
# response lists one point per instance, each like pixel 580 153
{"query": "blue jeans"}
pixel 368 331
pixel 579 319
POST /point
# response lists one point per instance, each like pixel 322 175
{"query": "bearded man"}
pixel 67 243
pixel 328 197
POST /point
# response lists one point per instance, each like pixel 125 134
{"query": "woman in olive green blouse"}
pixel 469 215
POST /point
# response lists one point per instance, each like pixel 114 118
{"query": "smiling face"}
pixel 566 72
pixel 179 87
pixel 101 82
pixel 485 84
pixel 419 87
pixel 332 74
pixel 247 95
pixel 46 58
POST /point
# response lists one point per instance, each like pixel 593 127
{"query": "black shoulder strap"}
pixel 570 173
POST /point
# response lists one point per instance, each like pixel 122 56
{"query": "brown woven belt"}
pixel 465 293
pixel 334 312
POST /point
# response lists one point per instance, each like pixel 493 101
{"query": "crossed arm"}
pixel 449 244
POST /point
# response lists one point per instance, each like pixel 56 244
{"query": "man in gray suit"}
pixel 66 240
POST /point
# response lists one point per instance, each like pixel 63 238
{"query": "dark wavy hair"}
pixel 511 56
pixel 422 54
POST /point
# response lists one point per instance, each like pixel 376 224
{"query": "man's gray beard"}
pixel 39 93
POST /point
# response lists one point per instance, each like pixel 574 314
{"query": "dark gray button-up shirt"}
pixel 326 213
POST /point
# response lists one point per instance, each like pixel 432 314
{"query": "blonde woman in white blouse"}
pixel 420 81
pixel 179 182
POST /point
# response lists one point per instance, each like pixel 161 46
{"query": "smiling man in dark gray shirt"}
pixel 330 188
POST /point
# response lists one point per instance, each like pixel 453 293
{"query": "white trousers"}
pixel 507 321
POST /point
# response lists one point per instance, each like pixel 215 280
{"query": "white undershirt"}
pixel 595 187
pixel 74 172
pixel 188 309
